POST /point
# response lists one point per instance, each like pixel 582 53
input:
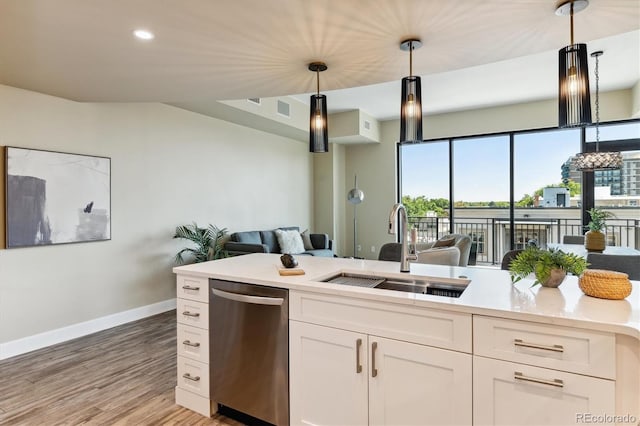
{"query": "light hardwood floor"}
pixel 122 376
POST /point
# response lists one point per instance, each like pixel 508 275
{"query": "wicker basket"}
pixel 605 284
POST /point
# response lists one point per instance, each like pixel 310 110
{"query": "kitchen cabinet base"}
pixel 195 402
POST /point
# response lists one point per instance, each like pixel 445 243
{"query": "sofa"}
pixel 452 250
pixel 247 242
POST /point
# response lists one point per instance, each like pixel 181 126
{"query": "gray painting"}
pixel 56 198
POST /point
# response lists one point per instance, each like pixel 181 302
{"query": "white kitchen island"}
pixel 498 354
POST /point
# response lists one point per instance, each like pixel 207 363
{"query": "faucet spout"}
pixel 405 256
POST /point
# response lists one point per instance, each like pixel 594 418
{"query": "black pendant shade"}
pixel 411 112
pixel 318 129
pixel 318 133
pixel 411 102
pixel 574 107
pixel 574 101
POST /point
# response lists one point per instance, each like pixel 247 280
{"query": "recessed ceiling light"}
pixel 143 34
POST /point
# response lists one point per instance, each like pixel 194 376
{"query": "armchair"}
pixel 455 253
pixel 461 242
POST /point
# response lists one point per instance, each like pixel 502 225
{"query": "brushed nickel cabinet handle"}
pixel 188 287
pixel 189 377
pixel 358 365
pixel 188 343
pixel 191 314
pixel 555 382
pixel 554 348
pixel 374 370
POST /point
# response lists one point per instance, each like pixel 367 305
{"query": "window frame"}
pixel 588 180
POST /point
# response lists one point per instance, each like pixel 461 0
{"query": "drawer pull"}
pixel 191 314
pixel 188 343
pixel 189 377
pixel 358 365
pixel 555 382
pixel 188 287
pixel 554 348
pixel 374 370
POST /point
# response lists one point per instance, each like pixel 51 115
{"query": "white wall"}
pixel 635 93
pixel 168 167
pixel 376 164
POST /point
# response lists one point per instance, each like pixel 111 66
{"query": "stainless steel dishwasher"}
pixel 249 349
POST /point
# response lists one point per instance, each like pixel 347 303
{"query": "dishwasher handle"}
pixel 258 300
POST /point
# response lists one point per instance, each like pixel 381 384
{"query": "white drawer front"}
pixel 193 313
pixel 193 376
pixel 448 330
pixel 561 348
pixel 194 402
pixel 192 288
pixel 507 393
pixel 193 342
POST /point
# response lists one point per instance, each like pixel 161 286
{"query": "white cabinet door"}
pixel 507 393
pixel 411 384
pixel 328 376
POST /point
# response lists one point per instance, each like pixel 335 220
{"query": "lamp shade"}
pixel 574 107
pixel 411 110
pixel 318 134
pixel 592 161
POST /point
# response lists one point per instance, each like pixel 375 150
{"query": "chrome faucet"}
pixel 405 256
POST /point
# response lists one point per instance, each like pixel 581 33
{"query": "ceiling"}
pixel 474 53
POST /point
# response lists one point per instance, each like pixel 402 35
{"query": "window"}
pixel 480 185
pixel 425 187
pixel 512 189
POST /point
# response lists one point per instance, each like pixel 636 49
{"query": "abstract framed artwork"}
pixel 56 197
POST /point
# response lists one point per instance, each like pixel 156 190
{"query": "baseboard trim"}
pixel 52 337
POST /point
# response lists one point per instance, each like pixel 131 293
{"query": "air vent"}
pixel 367 125
pixel 283 109
pixel 254 101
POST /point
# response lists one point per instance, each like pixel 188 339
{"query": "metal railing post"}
pixel 494 242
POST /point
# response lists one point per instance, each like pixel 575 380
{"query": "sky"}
pixel 481 165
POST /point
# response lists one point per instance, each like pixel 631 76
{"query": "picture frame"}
pixel 55 197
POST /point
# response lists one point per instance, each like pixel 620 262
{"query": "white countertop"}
pixel 489 293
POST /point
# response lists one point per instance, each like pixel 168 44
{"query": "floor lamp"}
pixel 355 197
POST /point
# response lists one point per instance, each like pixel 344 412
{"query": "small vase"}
pixel 556 277
pixel 594 241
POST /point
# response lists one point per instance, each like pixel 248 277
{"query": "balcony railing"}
pixel 492 236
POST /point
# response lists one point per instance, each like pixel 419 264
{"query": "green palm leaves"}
pixel 209 242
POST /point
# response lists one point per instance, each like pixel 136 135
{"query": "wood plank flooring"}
pixel 122 376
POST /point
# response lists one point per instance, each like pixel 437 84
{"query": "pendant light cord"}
pixel 318 81
pixel 571 13
pixel 597 72
pixel 410 59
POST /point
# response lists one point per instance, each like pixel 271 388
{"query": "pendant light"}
pixel 591 161
pixel 411 104
pixel 318 134
pixel 574 102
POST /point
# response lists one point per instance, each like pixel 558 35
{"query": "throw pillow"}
pixel 306 240
pixel 290 241
pixel 445 242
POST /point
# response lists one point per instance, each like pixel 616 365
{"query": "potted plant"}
pixel 594 239
pixel 209 242
pixel 549 266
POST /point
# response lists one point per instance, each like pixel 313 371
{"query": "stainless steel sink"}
pixel 449 288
